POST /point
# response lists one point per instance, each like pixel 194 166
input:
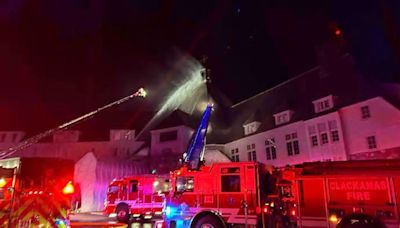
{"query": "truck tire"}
pixel 122 212
pixel 208 221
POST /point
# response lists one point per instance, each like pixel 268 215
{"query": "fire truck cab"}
pixel 35 192
pixel 216 195
pixel 140 197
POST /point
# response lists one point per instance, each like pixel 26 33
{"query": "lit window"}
pixel 371 140
pixel 365 112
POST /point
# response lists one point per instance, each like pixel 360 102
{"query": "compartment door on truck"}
pixel 312 203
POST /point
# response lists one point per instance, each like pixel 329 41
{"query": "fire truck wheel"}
pixel 122 212
pixel 208 221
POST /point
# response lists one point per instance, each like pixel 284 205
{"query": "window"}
pixel 371 140
pixel 365 112
pixel 332 124
pixel 134 185
pixel 324 138
pixel 251 127
pixel 252 156
pixel 335 136
pixel 323 104
pixel 292 144
pixel 289 148
pixel 113 189
pixel 314 140
pixel 184 184
pixel 168 136
pixel 296 147
pixel 230 183
pixel 270 149
pixel 270 152
pixel 283 117
pixel 251 153
pixel 235 154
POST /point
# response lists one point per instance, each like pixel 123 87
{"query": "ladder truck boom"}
pixel 195 151
pixel 36 138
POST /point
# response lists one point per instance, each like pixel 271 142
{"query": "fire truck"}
pixel 330 194
pixel 140 197
pixel 219 195
pixel 35 192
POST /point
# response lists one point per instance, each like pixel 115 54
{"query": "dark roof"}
pixel 341 79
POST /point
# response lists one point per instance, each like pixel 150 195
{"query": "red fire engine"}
pixel 140 197
pixel 325 194
pixel 35 192
pixel 218 195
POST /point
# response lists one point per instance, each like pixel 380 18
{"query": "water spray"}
pixel 185 96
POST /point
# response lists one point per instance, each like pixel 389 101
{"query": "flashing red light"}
pixel 3 182
pixel 338 32
pixel 40 192
pixel 293 212
pixel 265 210
pixel 69 188
pixel 30 192
pixel 35 192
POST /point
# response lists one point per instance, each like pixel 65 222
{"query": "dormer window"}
pixel 251 127
pixel 323 104
pixel 283 117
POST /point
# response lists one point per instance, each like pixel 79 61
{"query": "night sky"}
pixel 60 59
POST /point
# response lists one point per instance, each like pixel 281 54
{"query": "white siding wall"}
pixel 333 150
pixel 282 157
pixel 177 146
pixel 384 124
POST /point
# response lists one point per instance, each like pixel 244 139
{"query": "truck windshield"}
pixel 113 189
pixel 184 184
pixel 161 186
